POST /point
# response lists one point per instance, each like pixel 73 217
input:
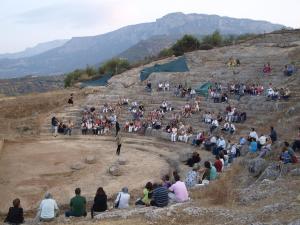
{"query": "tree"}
pixel 166 52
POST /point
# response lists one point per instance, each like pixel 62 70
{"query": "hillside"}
pixel 254 189
pixel 30 84
pixel 36 50
pixel 80 51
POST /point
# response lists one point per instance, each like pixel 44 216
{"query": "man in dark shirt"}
pixel 159 196
pixel 273 134
pixel 15 213
pixel 77 205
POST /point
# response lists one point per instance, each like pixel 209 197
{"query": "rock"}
pixel 122 161
pixel 272 172
pixel 90 159
pixel 77 166
pixel 295 172
pixel 295 222
pixel 256 166
pixel 298 198
pixel 115 170
pixel 290 111
pixel 244 150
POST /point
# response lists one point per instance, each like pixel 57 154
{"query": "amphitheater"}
pixel 32 161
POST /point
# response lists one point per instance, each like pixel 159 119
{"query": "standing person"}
pixel 15 213
pixel 48 209
pixel 77 205
pixel 69 127
pixel 117 127
pixel 119 143
pixel 54 123
pixel 70 101
pixel 273 134
pixel 100 202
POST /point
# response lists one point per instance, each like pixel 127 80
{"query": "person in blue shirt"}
pixel 253 145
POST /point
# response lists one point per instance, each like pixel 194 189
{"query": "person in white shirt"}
pixel 174 134
pixel 232 128
pixel 253 134
pixel 214 125
pixel 262 141
pixel 122 200
pixel 48 209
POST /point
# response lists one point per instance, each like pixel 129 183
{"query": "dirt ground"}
pixel 29 169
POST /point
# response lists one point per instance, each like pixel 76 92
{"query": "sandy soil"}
pixel 29 169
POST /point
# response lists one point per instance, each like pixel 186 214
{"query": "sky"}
pixel 25 23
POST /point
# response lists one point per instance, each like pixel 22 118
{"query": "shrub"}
pixel 167 52
pixel 186 44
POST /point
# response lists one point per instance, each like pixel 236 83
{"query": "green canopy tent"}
pixel 178 65
pixel 102 81
pixel 203 89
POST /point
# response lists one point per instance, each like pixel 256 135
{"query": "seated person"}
pixel 289 70
pixel 149 86
pixel 194 159
pixel 100 202
pixel 166 181
pixel 218 164
pixel 253 145
pixel 226 127
pixel 77 205
pixel 210 172
pixel 291 152
pixel 122 200
pixel 178 191
pixel 192 177
pixel 199 139
pixel 210 143
pixel 267 68
pixel 48 209
pixel 214 125
pixel 159 196
pixel 147 192
pixel 15 214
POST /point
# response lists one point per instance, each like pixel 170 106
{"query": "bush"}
pixel 186 44
pixel 115 66
pixel 214 40
pixel 167 52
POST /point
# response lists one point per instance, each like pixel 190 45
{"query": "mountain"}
pixel 149 47
pixel 80 51
pixel 38 49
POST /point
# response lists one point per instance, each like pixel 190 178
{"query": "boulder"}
pixel 295 222
pixel 257 166
pixel 77 166
pixel 122 161
pixel 90 159
pixel 295 172
pixel 272 172
pixel 115 170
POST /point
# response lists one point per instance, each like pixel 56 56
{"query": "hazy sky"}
pixel 24 23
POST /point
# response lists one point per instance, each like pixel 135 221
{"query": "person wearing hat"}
pixel 192 177
pixel 48 209
pixel 122 200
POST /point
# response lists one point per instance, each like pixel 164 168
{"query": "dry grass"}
pixel 221 191
pixel 22 115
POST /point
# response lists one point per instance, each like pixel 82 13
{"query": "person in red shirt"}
pixel 218 164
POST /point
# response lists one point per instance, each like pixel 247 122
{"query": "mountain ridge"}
pixel 81 51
